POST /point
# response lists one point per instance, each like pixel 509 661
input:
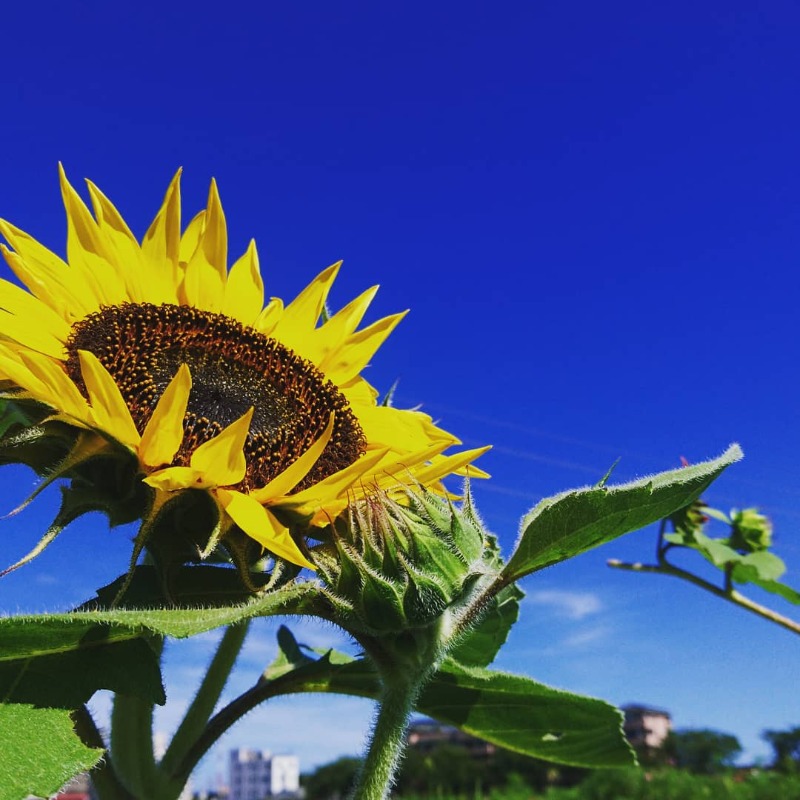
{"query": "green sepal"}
pixel 435 556
pixel 380 604
pixel 479 645
pixel 39 447
pixel 425 598
pixel 468 537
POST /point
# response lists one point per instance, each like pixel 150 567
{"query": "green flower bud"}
pixel 400 566
pixel 751 532
pixel 690 520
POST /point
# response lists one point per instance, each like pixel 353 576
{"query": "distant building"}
pixel 646 727
pixel 426 735
pixel 257 774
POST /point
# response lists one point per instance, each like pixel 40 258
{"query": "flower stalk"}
pixel 387 740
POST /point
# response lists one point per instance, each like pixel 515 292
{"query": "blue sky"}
pixel 591 210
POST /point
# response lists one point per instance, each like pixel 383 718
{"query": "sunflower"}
pixel 158 349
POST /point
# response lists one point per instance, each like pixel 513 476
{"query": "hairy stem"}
pixel 729 594
pixel 207 696
pixel 387 742
pixel 105 780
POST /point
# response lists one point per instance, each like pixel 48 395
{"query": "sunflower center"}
pixel 233 368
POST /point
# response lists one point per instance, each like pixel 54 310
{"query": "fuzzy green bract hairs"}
pixel 390 567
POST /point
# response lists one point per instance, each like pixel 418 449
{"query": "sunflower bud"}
pixel 751 532
pixel 391 567
pixel 690 520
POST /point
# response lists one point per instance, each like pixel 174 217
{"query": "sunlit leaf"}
pixel 568 524
pixel 40 751
pixel 509 710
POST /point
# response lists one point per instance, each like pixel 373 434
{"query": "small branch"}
pixel 226 717
pixel 661 545
pixel 731 595
pixel 104 778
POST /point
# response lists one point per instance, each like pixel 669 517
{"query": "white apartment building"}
pixel 257 774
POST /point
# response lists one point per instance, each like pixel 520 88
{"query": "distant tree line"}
pixel 449 770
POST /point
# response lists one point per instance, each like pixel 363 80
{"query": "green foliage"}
pixel 434 564
pixel 41 771
pixel 786 749
pixel 332 781
pixel 703 752
pixel 480 644
pixel 452 769
pixel 509 710
pixel 568 524
pixel 70 678
pixel 525 716
pixel 672 784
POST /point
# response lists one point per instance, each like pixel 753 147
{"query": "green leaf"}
pixel 520 714
pixel 189 587
pixel 40 751
pixel 717 551
pixel 12 414
pixel 568 524
pixel 764 565
pixel 747 568
pixel 774 587
pixel 293 656
pixel 479 647
pixel 512 711
pixel 66 680
pixel 43 634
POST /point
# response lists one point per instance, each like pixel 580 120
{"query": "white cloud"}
pixel 570 605
pixel 585 637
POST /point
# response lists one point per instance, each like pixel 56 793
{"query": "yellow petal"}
pixel 49 278
pixel 191 236
pixel 447 466
pixel 173 479
pixel 221 459
pixel 403 431
pixel 164 432
pixel 301 315
pixel 328 339
pixel 269 317
pixel 207 270
pixel 297 470
pixel 108 408
pixel 12 367
pixel 28 333
pixel 63 393
pixel 23 304
pixel 244 292
pixel 127 254
pixel 349 359
pixel 259 524
pixel 87 250
pixel 161 245
pixel 336 485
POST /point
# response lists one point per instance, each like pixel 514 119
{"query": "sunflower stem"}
pixel 106 783
pixel 206 699
pixel 131 749
pixel 387 741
